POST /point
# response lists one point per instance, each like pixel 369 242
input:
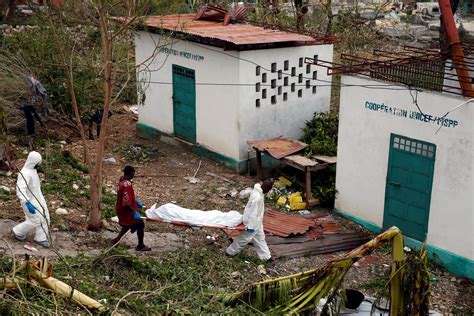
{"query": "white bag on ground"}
pixel 174 213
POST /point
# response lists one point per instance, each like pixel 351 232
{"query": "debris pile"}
pixel 139 153
pixel 285 197
pixel 289 235
pixel 295 236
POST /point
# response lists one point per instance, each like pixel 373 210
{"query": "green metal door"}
pixel 184 103
pixel 408 187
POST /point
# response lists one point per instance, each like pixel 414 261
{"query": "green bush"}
pixel 37 48
pixel 321 135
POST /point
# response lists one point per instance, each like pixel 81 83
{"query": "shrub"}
pixel 321 135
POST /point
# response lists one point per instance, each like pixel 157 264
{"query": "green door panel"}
pixel 409 183
pixel 184 103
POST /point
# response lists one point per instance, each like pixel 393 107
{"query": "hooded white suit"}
pixel 28 188
pixel 253 218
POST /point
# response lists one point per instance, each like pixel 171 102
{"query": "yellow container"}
pixel 278 184
pixel 285 181
pixel 296 206
pixel 296 197
pixel 281 201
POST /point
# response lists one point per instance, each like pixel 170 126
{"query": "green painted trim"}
pixel 147 131
pixel 454 263
pixel 222 159
pixel 369 225
pixel 240 166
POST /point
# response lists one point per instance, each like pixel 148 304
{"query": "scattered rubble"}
pixel 111 160
pixel 245 193
pixel 236 274
pixel 61 211
pixel 192 180
pixel 4 188
pixel 261 269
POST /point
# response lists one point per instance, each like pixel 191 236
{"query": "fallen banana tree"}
pixel 299 293
pixel 39 273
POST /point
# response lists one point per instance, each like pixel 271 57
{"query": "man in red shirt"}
pixel 127 210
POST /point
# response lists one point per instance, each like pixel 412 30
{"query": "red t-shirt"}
pixel 125 200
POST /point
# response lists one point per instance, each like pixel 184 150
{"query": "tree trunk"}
pixel 330 17
pixel 96 176
pixel 10 12
pixel 299 15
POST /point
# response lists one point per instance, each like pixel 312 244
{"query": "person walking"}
pixel 28 190
pixel 253 221
pixel 127 210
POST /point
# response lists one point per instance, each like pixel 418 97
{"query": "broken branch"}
pixel 65 290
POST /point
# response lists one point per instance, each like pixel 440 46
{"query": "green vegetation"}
pixel 6 195
pixel 178 283
pixel 321 135
pixel 65 179
pixel 375 285
pixel 35 47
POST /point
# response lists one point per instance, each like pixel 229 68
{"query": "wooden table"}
pixel 305 164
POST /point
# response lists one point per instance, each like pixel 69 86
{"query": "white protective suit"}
pixel 28 188
pixel 253 218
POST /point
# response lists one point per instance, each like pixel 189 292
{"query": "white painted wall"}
pixel 216 105
pixel 285 118
pixel 363 151
pixel 226 115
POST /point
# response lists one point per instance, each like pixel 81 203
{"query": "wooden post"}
pixel 307 180
pixel 259 165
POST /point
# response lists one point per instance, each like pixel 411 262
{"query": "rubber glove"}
pixel 136 216
pixel 250 230
pixel 30 207
pixel 139 204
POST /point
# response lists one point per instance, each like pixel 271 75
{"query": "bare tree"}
pixel 103 15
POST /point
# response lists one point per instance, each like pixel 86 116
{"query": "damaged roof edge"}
pixel 226 45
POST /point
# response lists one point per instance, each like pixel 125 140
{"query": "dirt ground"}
pixel 164 179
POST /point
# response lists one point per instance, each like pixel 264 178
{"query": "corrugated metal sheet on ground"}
pixel 283 225
pixel 324 225
pixel 328 244
pixel 277 240
pixel 278 147
pixel 238 34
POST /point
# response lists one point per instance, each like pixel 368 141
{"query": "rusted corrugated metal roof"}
pixel 328 244
pixel 277 240
pixel 232 34
pixel 324 225
pixel 278 147
pixel 284 225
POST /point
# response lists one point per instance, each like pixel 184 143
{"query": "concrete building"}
pixel 218 86
pixel 403 161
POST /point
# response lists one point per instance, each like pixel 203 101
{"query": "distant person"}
pixel 127 210
pixel 28 190
pixel 30 115
pixel 96 119
pixel 253 221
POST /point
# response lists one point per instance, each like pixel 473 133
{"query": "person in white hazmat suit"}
pixel 28 190
pixel 253 221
